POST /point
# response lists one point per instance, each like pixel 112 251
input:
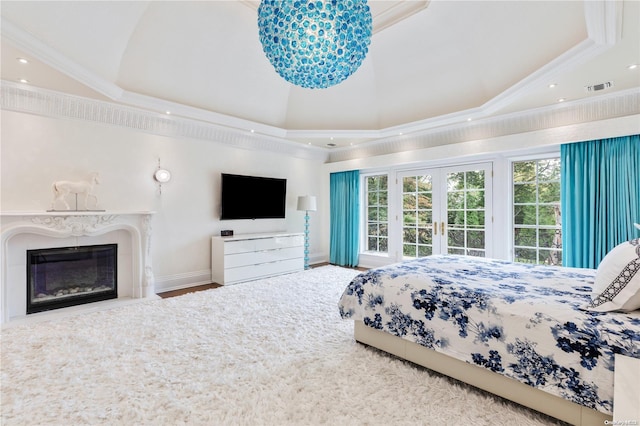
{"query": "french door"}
pixel 445 210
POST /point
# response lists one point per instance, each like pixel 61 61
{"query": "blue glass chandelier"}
pixel 315 43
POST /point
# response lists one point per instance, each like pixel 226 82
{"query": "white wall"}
pixel 36 151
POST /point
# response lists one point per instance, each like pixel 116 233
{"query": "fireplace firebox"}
pixel 67 276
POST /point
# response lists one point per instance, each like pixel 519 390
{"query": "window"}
pixel 444 210
pixel 537 223
pixel 377 225
pixel 417 215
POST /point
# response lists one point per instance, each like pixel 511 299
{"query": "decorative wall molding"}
pixel 48 103
pixel 26 99
pixel 614 105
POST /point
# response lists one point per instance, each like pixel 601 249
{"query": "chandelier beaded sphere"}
pixel 315 43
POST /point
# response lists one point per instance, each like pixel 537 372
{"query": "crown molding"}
pixel 26 99
pixel 604 21
pixel 49 56
pixel 614 105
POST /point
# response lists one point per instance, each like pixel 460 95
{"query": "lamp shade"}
pixel 307 203
pixel 315 43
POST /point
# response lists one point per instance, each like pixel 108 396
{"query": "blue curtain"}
pixel 345 218
pixel 600 193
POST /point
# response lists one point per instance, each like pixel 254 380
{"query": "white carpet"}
pixel 271 352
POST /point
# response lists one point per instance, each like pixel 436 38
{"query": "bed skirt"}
pixel 482 378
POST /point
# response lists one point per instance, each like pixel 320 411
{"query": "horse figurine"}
pixel 62 188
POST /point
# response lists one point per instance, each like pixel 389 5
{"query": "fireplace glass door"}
pixel 67 276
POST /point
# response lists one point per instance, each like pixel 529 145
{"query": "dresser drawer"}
pixel 258 257
pixel 252 272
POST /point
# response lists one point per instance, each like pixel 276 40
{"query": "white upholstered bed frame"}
pixel 482 378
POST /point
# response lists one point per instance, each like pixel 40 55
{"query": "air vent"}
pixel 598 87
pixel 331 145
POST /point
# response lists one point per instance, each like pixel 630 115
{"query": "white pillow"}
pixel 617 282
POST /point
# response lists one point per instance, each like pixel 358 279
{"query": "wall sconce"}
pixel 161 176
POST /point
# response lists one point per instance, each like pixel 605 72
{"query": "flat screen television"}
pixel 252 197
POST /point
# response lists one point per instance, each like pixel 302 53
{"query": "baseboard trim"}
pixel 180 281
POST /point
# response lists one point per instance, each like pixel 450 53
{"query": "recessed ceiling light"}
pixel 561 100
pixel 253 130
pixel 22 60
pixel 168 112
pixel 552 85
pixel 632 66
pixel 23 80
pixel 469 119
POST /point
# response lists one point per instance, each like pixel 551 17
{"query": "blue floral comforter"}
pixel 524 321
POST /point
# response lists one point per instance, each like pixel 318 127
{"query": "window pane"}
pixel 456 238
pixel 475 179
pixel 372 198
pixel 475 199
pixel 550 257
pixel 424 183
pixel 455 200
pixel 425 251
pixel 424 236
pixel 425 218
pixel 455 218
pixel 524 193
pixel 549 192
pixel 409 201
pixel 526 255
pixel 409 218
pixel 383 245
pixel 382 198
pixel 424 200
pixel 525 215
pixel 475 219
pixel 475 239
pixel 549 169
pixel 409 235
pixel 409 250
pixel 525 237
pixel 409 184
pixel 547 215
pixel 524 171
pixel 455 181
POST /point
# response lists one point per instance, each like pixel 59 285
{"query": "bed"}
pixel 517 330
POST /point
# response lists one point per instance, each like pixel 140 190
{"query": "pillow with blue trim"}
pixel 617 282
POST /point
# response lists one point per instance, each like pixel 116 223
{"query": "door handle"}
pixel 442 228
pixel 435 228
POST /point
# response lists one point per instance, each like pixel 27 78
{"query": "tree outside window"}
pixel 537 219
pixel 377 224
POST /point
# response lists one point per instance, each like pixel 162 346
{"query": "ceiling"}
pixel 429 64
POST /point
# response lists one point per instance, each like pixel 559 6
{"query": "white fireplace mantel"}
pixel 68 224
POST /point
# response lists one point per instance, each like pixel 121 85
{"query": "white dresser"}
pixel 251 256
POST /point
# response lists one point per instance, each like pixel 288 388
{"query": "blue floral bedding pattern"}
pixel 524 321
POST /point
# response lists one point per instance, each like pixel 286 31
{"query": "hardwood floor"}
pixel 174 293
